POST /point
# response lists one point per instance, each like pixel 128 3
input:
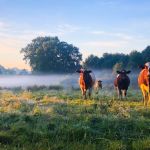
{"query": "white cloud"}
pixel 3 25
pixel 67 28
pixel 13 38
pixel 122 36
pixel 98 47
pixel 107 45
pixel 97 42
pixel 28 34
pixel 98 32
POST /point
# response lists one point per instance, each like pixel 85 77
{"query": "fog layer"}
pixel 64 80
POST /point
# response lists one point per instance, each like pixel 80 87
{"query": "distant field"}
pixel 58 119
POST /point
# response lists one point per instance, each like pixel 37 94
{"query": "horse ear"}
pixel 79 71
pixel 118 72
pixel 127 72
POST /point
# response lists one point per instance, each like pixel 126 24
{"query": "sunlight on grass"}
pixel 62 120
pixel 82 102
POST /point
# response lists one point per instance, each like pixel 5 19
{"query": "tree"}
pixel 146 54
pixel 109 60
pixel 92 62
pixel 135 59
pixel 49 54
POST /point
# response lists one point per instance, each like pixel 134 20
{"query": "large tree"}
pixel 49 54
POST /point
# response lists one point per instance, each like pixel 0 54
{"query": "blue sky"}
pixel 95 26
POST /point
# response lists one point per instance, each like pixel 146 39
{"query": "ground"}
pixel 58 119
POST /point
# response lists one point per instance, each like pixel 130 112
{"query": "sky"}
pixel 94 26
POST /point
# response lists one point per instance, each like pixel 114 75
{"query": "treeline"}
pixel 108 61
pixel 13 71
pixel 50 55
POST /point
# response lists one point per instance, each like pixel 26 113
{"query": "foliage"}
pixel 108 61
pixel 135 59
pixel 146 54
pixel 49 54
pixel 92 62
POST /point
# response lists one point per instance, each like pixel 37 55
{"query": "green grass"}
pixel 58 119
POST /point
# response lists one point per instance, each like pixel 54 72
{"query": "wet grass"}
pixel 58 119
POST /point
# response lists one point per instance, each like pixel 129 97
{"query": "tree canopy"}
pixel 49 54
pixel 108 61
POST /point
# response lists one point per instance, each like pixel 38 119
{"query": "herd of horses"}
pixel 121 82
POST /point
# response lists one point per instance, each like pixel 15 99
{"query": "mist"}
pixel 64 80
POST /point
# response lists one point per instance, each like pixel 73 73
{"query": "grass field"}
pixel 57 119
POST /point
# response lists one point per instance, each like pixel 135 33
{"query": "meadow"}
pixel 54 118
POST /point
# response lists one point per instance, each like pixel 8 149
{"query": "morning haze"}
pixel 94 27
pixel 74 74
